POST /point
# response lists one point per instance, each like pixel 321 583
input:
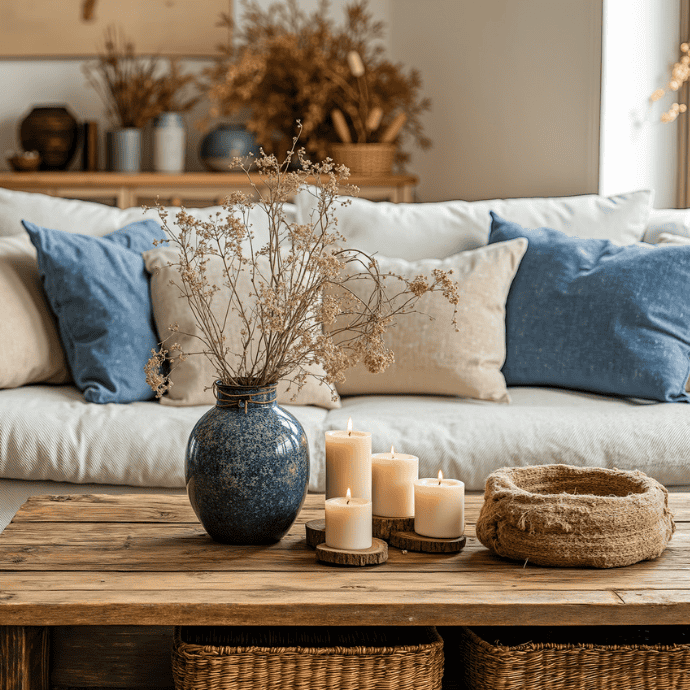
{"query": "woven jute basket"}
pixel 566 516
pixel 365 159
pixel 544 659
pixel 302 658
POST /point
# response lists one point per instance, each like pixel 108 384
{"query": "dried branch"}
pixel 300 309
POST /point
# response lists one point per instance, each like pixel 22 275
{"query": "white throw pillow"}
pixel 674 221
pixel 441 229
pixel 674 240
pixel 90 218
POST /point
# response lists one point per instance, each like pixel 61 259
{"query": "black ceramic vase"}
pixel 53 132
pixel 247 467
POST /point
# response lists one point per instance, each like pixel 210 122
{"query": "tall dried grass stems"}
pixel 132 87
pixel 298 284
pixel 286 64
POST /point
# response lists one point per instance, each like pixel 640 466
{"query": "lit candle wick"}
pixel 440 477
pixel 392 451
pixel 349 427
pixel 348 496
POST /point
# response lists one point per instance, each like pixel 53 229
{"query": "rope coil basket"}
pixel 303 658
pixel 631 657
pixel 365 159
pixel 558 515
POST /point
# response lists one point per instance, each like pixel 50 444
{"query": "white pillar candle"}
pixel 348 523
pixel 439 507
pixel 392 483
pixel 348 463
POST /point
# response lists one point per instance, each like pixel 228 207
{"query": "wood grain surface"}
pixel 411 541
pixel 376 554
pixel 145 560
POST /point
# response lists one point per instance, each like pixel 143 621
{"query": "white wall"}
pixel 640 45
pixel 515 90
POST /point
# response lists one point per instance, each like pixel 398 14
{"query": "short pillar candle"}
pixel 348 463
pixel 392 483
pixel 348 523
pixel 439 507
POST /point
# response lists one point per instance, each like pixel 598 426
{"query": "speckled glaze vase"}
pixel 247 467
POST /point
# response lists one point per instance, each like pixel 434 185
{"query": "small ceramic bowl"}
pixel 28 161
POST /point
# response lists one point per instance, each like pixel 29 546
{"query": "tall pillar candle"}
pixel 348 523
pixel 392 483
pixel 348 463
pixel 439 507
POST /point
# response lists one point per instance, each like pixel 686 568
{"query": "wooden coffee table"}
pixel 145 560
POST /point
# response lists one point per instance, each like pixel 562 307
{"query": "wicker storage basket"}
pixel 574 516
pixel 365 159
pixel 618 658
pixel 251 658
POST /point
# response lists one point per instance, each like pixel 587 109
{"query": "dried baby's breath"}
pixel 301 281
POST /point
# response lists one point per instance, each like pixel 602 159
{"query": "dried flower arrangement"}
pixel 132 87
pixel 300 310
pixel 288 65
pixel 680 73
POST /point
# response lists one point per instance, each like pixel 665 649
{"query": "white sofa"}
pixel 53 441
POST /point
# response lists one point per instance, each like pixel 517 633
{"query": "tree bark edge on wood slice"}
pixel 376 555
pixel 383 527
pixel 411 541
pixel 316 532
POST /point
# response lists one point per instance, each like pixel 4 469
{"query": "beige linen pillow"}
pixel 430 356
pixel 30 348
pixel 192 376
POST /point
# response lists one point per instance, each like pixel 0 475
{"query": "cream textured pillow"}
pixel 192 376
pixel 30 348
pixel 430 356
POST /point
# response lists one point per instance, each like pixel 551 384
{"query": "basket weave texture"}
pixel 558 515
pixel 365 159
pixel 307 659
pixel 540 665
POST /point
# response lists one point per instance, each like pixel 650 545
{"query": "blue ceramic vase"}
pixel 247 467
pixel 225 142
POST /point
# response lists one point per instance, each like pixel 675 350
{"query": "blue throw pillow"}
pixel 594 316
pixel 98 289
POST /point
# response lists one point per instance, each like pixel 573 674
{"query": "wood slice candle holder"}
pixel 375 555
pixel 383 527
pixel 316 532
pixel 411 541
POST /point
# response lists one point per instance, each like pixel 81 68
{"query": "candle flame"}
pixel 392 450
pixel 349 427
pixel 348 496
pixel 440 476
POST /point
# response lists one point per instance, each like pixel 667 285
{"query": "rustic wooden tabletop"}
pixel 146 560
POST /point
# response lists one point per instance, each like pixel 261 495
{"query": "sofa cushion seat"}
pixel 52 433
pixel 469 439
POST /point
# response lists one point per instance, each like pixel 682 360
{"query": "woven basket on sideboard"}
pixel 610 658
pixel 365 159
pixel 302 658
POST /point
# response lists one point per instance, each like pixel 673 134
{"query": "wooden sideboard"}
pixel 192 189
